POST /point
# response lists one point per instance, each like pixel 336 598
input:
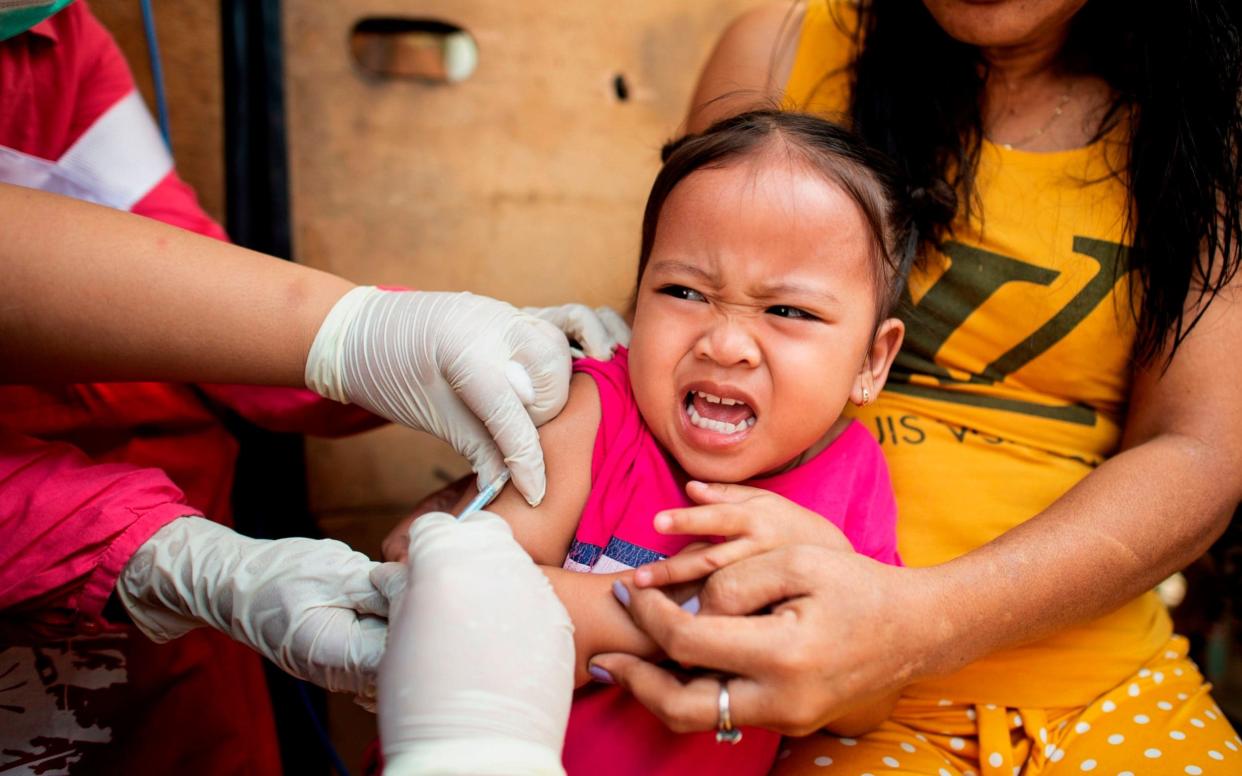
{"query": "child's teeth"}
pixel 719 427
pixel 713 399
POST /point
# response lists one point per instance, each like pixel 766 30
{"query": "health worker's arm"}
pixel 852 628
pixel 70 524
pixel 308 605
pixel 92 293
pixel 546 531
pixel 77 531
pixel 96 294
pixel 88 58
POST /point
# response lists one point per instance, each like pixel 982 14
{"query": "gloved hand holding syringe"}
pixel 520 382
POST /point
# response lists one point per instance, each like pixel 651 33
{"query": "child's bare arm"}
pixel 600 623
pixel 568 441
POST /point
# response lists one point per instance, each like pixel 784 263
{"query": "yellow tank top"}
pixel 1012 382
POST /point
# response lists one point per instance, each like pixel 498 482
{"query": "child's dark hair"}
pixel 865 175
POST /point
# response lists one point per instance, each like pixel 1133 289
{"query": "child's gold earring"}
pixel 866 396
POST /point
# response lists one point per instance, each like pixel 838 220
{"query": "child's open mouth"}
pixel 718 414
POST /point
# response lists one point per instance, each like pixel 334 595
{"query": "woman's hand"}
pixel 752 521
pixel 842 628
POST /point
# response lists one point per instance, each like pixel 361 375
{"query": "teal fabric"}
pixel 15 21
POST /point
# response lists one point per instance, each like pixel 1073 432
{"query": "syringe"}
pixel 486 496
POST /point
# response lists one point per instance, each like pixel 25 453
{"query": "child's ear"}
pixel 874 372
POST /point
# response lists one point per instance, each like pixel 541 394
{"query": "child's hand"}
pixel 751 520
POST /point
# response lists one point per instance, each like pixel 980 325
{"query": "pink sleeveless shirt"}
pixel 631 480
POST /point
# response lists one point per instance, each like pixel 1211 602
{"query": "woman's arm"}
pixel 749 66
pixel 864 717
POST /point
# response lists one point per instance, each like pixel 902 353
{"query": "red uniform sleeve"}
pixel 293 410
pixel 174 202
pixel 69 527
pixel 104 78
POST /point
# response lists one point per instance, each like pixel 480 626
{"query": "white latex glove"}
pixel 308 605
pixel 478 674
pixel 472 370
pixel 597 332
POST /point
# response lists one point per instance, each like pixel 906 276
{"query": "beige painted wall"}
pixel 525 181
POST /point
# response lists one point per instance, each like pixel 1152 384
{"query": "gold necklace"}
pixel 1062 101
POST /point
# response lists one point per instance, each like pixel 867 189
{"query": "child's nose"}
pixel 729 342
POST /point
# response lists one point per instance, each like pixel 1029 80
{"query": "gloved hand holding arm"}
pixel 95 294
pixel 592 333
pixel 478 674
pixel 474 371
pixel 308 605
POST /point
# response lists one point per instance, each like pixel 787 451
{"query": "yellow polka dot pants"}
pixel 1160 722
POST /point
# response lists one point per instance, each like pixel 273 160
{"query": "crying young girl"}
pixel 774 248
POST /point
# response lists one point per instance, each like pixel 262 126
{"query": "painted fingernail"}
pixel 691 605
pixel 642 577
pixel 600 675
pixel 620 593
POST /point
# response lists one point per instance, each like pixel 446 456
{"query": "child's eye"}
pixel 785 311
pixel 682 292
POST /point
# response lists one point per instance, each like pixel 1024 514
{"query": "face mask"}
pixel 17 16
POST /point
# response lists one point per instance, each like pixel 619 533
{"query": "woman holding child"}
pixel 1058 423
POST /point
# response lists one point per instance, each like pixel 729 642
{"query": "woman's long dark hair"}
pixel 1176 70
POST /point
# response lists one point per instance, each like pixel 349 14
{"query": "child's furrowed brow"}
pixel 792 290
pixel 682 269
